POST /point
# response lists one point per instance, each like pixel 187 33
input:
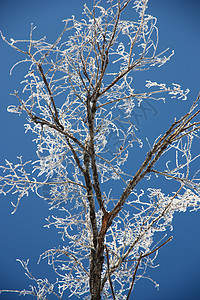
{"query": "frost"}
pixel 175 91
pixel 12 41
pixel 81 103
pixel 14 109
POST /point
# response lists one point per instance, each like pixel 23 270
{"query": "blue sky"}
pixel 22 235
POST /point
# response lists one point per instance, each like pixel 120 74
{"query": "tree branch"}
pixel 108 269
pixel 139 260
pixel 171 135
pixel 55 114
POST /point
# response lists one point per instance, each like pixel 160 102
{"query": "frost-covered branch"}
pixel 79 98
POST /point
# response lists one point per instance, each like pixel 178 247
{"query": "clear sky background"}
pixel 22 235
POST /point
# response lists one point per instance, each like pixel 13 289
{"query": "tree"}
pixel 79 96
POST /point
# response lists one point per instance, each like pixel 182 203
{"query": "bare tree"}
pixel 78 93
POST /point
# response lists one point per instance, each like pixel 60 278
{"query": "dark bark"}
pixel 97 259
pixel 95 274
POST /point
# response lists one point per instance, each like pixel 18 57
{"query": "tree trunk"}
pixel 96 263
pixel 97 259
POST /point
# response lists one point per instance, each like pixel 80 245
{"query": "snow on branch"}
pixel 79 97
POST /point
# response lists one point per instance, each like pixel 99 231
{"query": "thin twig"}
pixel 109 277
pixel 139 260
